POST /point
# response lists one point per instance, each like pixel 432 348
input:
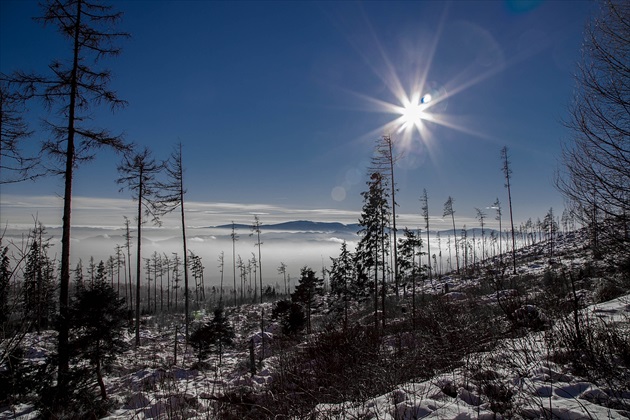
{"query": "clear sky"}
pixel 278 104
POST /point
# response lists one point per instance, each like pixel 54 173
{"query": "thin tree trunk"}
pixel 63 346
pixel 186 305
pixel 394 230
pixel 455 241
pixel 99 375
pixel 139 259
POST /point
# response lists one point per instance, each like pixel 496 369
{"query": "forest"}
pixel 523 321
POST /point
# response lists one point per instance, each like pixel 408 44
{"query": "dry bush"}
pixel 358 363
pixel 597 351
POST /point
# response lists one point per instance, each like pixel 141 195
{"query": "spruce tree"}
pixel 308 288
pixel 213 336
pixel 97 319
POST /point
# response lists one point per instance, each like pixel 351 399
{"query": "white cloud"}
pixel 20 211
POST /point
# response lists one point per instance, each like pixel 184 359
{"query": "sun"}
pixel 413 111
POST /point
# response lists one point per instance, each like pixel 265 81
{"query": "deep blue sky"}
pixel 280 103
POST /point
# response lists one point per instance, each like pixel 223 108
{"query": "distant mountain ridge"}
pixel 299 225
pixel 310 226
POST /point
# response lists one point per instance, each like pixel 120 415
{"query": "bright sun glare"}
pixel 413 112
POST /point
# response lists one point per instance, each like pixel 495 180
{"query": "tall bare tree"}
pixel 449 211
pixel 425 214
pixel 127 236
pixel 234 237
pixel 170 195
pixel 497 207
pixel 595 171
pixel 221 265
pixel 256 231
pixel 138 173
pixel 507 173
pixel 73 90
pixel 383 163
pixel 282 269
pixel 481 216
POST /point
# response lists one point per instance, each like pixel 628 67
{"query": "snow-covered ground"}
pixel 520 368
pixel 526 375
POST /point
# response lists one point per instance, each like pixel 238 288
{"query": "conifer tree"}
pixel 371 250
pixel 410 248
pixel 39 278
pixel 383 163
pixel 138 174
pixel 308 288
pixel 5 278
pixel 73 90
pixel 341 279
pixel 97 319
pixel 213 336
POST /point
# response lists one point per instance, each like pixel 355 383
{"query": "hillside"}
pixel 551 341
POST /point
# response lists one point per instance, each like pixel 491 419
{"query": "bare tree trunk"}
pixel 508 172
pixel 186 297
pixel 139 260
pixel 99 375
pixel 63 349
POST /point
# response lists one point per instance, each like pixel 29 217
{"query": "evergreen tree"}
pixel 410 249
pixel 307 289
pixel 5 279
pixel 213 336
pixel 290 315
pixel 371 250
pixel 78 274
pixel 341 278
pixel 38 287
pixel 97 319
pixel 383 163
